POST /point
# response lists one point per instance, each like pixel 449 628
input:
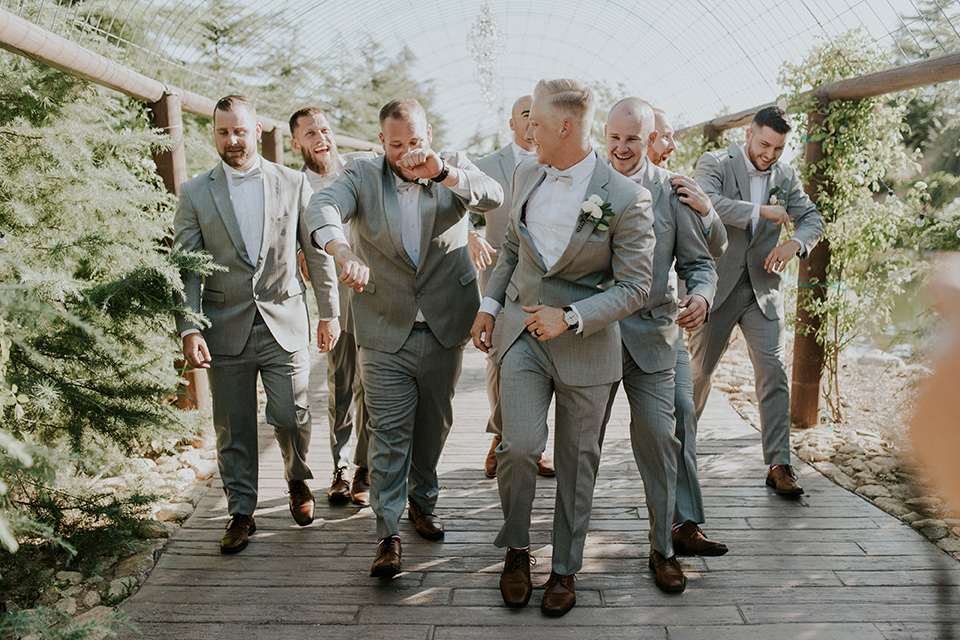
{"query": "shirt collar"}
pixel 519 153
pixel 583 170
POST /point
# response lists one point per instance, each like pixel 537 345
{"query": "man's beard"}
pixel 322 167
pixel 753 159
pixel 236 157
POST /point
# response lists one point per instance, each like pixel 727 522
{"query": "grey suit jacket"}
pixel 500 166
pixel 650 335
pixel 606 274
pixel 723 176
pixel 269 282
pixel 444 283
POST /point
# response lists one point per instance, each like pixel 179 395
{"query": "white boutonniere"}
pixel 775 196
pixel 596 211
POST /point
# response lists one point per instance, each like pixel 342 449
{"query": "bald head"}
pixel 520 121
pixel 628 131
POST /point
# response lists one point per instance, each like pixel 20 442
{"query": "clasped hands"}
pixel 542 321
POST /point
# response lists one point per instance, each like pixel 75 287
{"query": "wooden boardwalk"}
pixel 829 565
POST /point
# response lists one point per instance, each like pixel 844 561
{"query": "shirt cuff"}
pixel 186 332
pixel 707 220
pixel 579 324
pixel 327 319
pixel 491 306
pixel 324 235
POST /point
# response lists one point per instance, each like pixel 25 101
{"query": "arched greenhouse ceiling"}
pixel 693 58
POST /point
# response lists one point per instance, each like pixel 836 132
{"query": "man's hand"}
pixel 195 351
pixel 481 251
pixel 545 322
pixel 302 263
pixel 353 272
pixel 482 331
pixel 775 213
pixel 328 332
pixel 691 194
pixel 421 163
pixel 693 312
pixel 778 258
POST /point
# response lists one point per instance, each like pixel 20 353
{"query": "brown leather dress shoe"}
pixel 667 573
pixel 515 585
pixel 339 490
pixel 688 540
pixel 387 562
pixel 239 529
pixel 428 525
pixel 490 464
pixel 558 595
pixel 783 479
pixel 360 487
pixel 545 466
pixel 301 502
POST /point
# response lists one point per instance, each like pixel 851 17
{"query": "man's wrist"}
pixel 444 172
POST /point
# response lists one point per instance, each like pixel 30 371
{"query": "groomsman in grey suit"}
pixel 688 537
pixel 577 258
pixel 755 196
pixel 650 336
pixel 313 137
pixel 500 166
pixel 248 214
pixel 415 295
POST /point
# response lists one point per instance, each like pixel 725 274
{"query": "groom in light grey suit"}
pixel 577 258
pixel 650 336
pixel 248 214
pixel 415 295
pixel 755 196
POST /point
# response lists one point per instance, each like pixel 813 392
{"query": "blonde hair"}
pixel 571 97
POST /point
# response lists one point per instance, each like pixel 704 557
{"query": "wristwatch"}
pixel 444 172
pixel 570 317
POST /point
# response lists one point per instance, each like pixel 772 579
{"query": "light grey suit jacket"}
pixel 650 335
pixel 606 274
pixel 269 282
pixel 722 174
pixel 444 283
pixel 500 166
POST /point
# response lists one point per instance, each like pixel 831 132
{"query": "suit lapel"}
pixel 656 189
pixel 428 218
pixel 221 200
pixel 597 185
pixel 528 245
pixel 740 171
pixel 271 205
pixel 506 164
pixel 390 205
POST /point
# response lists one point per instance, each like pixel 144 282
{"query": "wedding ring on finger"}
pixel 536 332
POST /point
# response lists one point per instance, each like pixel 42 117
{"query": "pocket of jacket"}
pixel 213 296
pixel 468 277
pixel 513 291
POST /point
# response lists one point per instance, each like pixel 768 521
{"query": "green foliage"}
pixel 694 144
pixel 52 624
pixel 873 236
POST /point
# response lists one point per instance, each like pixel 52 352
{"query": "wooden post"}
pixel 172 167
pixel 711 134
pixel 808 355
pixel 272 144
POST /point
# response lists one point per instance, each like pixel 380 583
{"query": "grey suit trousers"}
pixel 345 399
pixel 765 342
pixel 495 422
pixel 409 398
pixel 530 380
pixel 233 385
pixel 655 447
pixel 689 496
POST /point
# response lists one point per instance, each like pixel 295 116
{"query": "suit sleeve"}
pixel 632 244
pixel 486 194
pixel 717 238
pixel 507 260
pixel 187 234
pixel 709 175
pixel 807 222
pixel 320 266
pixel 694 263
pixel 334 205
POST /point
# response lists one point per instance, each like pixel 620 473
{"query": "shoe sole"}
pixel 710 553
pixel 232 550
pixel 557 613
pixel 338 498
pixel 547 475
pixel 490 475
pixel 773 485
pixel 359 503
pixel 515 605
pixel 425 536
pixel 385 572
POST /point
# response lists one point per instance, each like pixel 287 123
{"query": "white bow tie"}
pixel 555 175
pixel 253 174
pixel 523 154
pixel 756 173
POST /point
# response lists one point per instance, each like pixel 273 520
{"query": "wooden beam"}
pixel 909 76
pixel 27 39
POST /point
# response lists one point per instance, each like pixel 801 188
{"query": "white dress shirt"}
pixel 520 154
pixel 759 191
pixel 246 195
pixel 552 216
